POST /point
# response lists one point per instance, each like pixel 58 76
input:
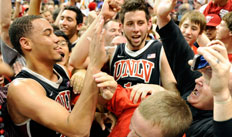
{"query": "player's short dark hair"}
pixel 19 28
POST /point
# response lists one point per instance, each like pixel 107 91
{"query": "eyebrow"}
pixel 47 29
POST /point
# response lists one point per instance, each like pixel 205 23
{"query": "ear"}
pixel 79 26
pixel 25 43
pixel 230 33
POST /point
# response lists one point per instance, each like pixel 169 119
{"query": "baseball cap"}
pixel 92 6
pixel 202 2
pixel 213 20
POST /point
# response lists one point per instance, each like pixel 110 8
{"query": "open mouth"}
pixel 136 38
pixel 195 92
pixel 62 54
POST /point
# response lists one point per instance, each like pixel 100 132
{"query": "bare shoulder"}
pixel 22 93
pixel 26 85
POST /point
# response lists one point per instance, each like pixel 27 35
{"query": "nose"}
pixel 63 21
pixel 55 39
pixel 188 30
pixel 118 33
pixel 199 80
pixel 136 28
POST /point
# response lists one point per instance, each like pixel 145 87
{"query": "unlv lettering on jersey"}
pixel 64 98
pixel 133 68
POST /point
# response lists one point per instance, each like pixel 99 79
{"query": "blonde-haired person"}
pixel 195 89
pixel 192 25
pixel 162 114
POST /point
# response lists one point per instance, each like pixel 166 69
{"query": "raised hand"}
pixel 110 8
pixel 107 85
pixel 216 55
pixel 77 81
pixel 142 90
pixel 164 7
pixel 104 118
pixel 97 52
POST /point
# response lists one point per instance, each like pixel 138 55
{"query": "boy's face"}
pixel 43 42
pixel 68 23
pixel 223 32
pixel 64 50
pixel 112 30
pixel 190 31
pixel 135 28
pixel 210 31
pixel 140 127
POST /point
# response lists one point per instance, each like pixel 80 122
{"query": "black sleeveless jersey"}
pixel 58 91
pixel 132 67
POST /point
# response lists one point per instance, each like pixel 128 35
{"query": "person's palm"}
pixel 164 7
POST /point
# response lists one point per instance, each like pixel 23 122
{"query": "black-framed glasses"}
pixel 62 43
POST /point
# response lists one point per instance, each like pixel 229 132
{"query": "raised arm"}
pixel 162 10
pixel 80 51
pixel 35 105
pixel 177 50
pixel 34 8
pixel 5 19
pixel 17 9
pixel 219 78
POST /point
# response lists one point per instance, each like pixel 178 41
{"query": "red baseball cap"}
pixel 92 6
pixel 213 20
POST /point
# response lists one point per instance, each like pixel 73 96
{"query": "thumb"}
pixel 102 125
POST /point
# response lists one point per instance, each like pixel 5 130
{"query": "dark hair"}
pixel 228 19
pixel 133 5
pixel 60 33
pixel 19 28
pixel 79 16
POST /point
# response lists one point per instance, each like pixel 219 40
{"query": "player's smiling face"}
pixel 135 28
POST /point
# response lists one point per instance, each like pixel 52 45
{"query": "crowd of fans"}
pixel 116 68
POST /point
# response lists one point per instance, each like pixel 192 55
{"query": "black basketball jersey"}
pixel 132 67
pixel 58 91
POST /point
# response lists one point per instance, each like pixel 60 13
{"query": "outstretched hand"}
pixel 105 118
pixel 164 7
pixel 106 83
pixel 216 55
pixel 97 53
pixel 142 90
pixel 110 8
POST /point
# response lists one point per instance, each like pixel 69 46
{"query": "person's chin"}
pixel 58 60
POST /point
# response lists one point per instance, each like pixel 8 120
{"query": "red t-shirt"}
pixel 215 9
pixel 123 108
pixel 194 48
pixel 230 57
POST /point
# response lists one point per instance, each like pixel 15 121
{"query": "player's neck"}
pixel 135 48
pixel 43 69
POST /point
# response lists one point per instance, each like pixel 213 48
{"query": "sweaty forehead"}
pixel 41 24
pixel 143 127
pixel 69 13
pixel 135 15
